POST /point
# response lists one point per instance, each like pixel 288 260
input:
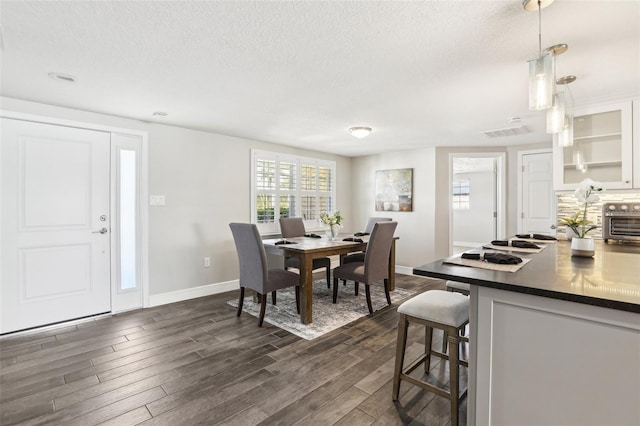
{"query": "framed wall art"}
pixel 394 190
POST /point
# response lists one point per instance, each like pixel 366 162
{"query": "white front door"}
pixel 55 224
pixel 538 210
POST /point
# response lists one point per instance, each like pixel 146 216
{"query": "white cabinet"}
pixel 636 143
pixel 602 148
pixel 541 361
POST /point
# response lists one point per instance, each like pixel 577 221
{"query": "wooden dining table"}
pixel 307 248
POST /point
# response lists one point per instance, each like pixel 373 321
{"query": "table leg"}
pixel 306 289
pixel 392 266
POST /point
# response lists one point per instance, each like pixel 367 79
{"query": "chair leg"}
pixel 263 307
pixel 298 298
pixel 445 341
pixel 386 291
pixel 368 293
pixel 403 326
pixel 454 377
pixel 328 277
pixel 273 297
pixel 240 301
pixel 428 342
pixel 357 287
pixel 335 290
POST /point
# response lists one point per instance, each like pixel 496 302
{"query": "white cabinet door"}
pixel 636 143
pixel 602 148
pixel 55 202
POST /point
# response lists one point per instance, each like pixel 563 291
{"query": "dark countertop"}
pixel 610 279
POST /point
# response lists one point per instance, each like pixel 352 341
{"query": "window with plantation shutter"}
pixel 290 186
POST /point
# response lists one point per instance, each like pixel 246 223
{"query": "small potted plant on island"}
pixel 586 194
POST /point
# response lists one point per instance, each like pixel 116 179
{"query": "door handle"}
pixel 102 231
pixel 553 227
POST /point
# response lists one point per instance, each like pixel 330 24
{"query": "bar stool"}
pixel 457 287
pixel 447 311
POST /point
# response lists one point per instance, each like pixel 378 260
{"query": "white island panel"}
pixel 544 361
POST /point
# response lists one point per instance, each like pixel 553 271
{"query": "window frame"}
pixel 310 224
pixel 457 202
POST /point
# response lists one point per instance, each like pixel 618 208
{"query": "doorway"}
pixel 536 197
pixel 476 200
pixel 65 237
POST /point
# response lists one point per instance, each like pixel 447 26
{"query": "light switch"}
pixel 156 200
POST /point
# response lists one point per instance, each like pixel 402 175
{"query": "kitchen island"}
pixel 558 341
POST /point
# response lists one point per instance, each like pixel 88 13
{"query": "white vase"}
pixel 582 247
pixel 335 230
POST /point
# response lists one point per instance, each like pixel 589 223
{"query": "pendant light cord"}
pixel 539 28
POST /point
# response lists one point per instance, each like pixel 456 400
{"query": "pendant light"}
pixel 565 136
pixel 556 113
pixel 541 78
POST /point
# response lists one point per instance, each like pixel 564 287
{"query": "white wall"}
pixel 416 228
pixel 205 178
pixel 477 224
pixel 193 168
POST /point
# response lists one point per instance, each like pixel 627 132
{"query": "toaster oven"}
pixel 621 221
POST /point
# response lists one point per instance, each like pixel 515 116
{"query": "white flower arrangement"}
pixel 331 220
pixel 586 194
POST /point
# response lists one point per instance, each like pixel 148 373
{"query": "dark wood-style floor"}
pixel 195 362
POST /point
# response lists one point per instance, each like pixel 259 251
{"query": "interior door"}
pixel 474 199
pixel 55 226
pixel 538 198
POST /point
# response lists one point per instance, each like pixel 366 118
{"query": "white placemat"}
pixel 457 260
pixel 514 249
pixel 533 240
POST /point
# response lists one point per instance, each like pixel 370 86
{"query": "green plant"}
pixel 574 222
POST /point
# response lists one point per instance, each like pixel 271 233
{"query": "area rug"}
pixel 326 315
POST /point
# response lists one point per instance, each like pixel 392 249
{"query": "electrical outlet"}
pixel 206 262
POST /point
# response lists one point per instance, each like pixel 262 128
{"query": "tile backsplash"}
pixel 567 205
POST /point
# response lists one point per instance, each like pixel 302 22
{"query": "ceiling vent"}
pixel 509 131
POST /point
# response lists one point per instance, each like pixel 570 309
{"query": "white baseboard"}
pixel 404 270
pixel 209 289
pixel 467 244
pixel 192 293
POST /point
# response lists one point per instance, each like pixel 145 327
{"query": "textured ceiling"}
pixel 431 73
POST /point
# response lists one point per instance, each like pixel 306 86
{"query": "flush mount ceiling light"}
pixel 541 78
pixel 67 78
pixel 360 131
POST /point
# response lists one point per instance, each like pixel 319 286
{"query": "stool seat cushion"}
pixel 458 285
pixel 438 306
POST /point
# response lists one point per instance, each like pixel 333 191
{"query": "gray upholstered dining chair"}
pixel 291 227
pixel 375 266
pixel 372 221
pixel 254 271
pixel 359 256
